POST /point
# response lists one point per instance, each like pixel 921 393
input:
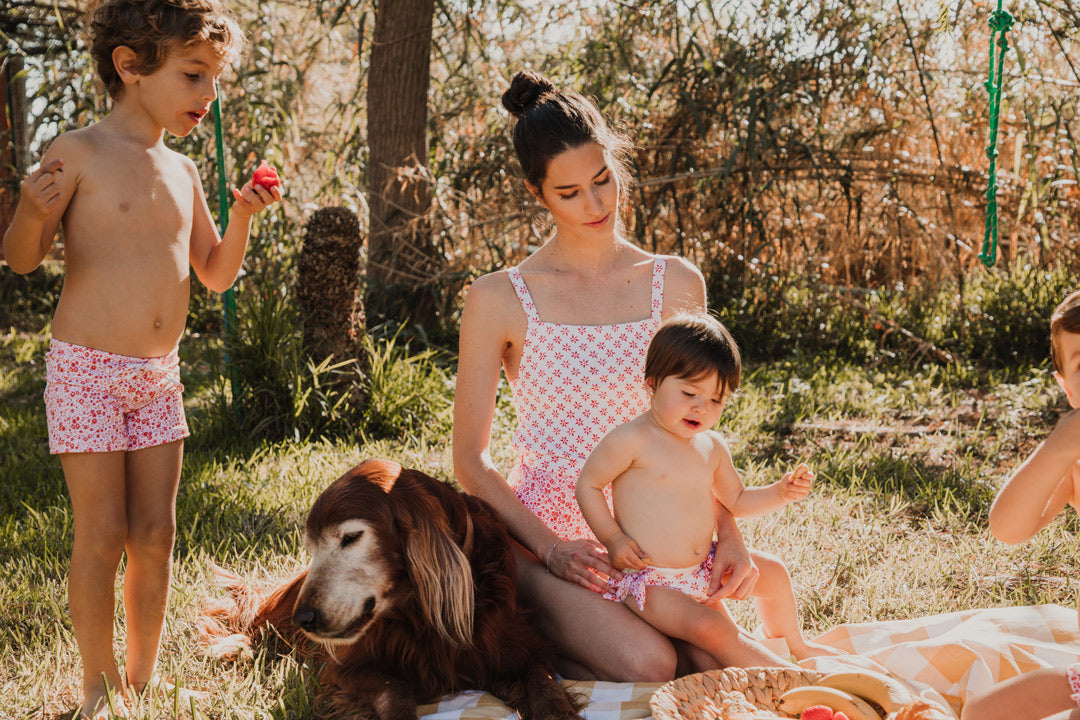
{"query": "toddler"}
pixel 1027 502
pixel 135 222
pixel 669 471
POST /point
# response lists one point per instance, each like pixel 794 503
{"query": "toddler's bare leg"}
pixel 153 475
pixel 775 601
pixel 679 616
pixel 95 483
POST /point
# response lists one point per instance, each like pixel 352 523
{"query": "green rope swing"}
pixel 223 201
pixel 1000 22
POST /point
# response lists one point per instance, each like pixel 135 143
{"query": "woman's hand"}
pixel 734 573
pixel 584 562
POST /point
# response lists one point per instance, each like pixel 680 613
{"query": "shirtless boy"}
pixel 135 221
pixel 669 470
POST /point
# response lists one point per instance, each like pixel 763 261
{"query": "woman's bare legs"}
pixel 600 639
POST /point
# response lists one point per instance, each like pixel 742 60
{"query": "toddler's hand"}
pixel 625 554
pixel 796 484
pixel 254 197
pixel 40 190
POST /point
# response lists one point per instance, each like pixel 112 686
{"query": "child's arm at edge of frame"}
pixel 217 259
pixel 44 196
pixel 1042 485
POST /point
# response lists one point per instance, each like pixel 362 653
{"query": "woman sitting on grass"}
pixel 570 327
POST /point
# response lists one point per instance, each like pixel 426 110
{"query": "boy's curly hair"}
pixel 148 27
pixel 1065 319
pixel 691 346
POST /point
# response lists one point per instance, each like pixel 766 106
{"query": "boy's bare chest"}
pixel 134 204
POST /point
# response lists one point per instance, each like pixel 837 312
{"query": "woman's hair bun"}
pixel 525 90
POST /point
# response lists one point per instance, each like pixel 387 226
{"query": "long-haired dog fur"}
pixel 409 596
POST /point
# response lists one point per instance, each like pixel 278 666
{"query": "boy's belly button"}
pixel 157 324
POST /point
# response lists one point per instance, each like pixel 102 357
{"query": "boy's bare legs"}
pixel 153 475
pixel 775 602
pixel 708 627
pixel 96 485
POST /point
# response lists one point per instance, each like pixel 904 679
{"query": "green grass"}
pixel 907 459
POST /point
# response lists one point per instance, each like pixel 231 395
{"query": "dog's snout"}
pixel 306 617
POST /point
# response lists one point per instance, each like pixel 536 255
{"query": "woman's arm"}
pixel 486 324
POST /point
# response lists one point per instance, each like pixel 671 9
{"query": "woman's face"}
pixel 581 191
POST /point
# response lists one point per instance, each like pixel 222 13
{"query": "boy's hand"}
pixel 625 554
pixel 40 190
pixel 253 197
pixel 796 484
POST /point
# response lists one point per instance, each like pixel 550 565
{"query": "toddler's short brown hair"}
pixel 1066 319
pixel 691 346
pixel 149 26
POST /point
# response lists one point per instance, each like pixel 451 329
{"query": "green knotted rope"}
pixel 1000 22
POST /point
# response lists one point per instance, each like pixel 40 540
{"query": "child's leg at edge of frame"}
pixel 153 476
pixel 1035 695
pixel 679 616
pixel 96 486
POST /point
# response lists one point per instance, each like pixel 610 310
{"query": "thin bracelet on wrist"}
pixel 547 557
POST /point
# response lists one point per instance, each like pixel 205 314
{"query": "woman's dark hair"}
pixel 551 121
pixel 692 346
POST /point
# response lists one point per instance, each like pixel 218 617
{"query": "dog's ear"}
pixel 440 571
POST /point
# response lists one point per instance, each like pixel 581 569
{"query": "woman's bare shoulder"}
pixel 684 286
pixel 491 297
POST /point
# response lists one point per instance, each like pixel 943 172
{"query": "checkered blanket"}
pixel 942 657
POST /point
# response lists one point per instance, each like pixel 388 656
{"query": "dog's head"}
pixel 378 533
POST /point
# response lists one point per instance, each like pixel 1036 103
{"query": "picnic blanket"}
pixel 944 658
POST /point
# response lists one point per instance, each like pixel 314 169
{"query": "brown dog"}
pixel 409 596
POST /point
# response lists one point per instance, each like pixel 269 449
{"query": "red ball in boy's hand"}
pixel 817 712
pixel 266 176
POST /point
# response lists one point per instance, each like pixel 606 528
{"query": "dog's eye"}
pixel 349 538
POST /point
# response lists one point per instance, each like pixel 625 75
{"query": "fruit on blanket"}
pixel 872 686
pixel 796 700
pixel 840 716
pixel 817 712
pixel 266 176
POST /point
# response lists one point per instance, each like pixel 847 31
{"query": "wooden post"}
pixel 13 140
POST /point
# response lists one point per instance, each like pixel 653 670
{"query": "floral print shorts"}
pixel 97 401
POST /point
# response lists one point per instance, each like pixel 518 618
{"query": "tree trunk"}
pixel 328 293
pixel 13 141
pixel 402 261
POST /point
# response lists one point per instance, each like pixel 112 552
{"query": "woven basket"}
pixel 729 694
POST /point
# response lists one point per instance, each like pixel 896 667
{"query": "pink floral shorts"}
pixel 1073 673
pixel 96 401
pixel 692 581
